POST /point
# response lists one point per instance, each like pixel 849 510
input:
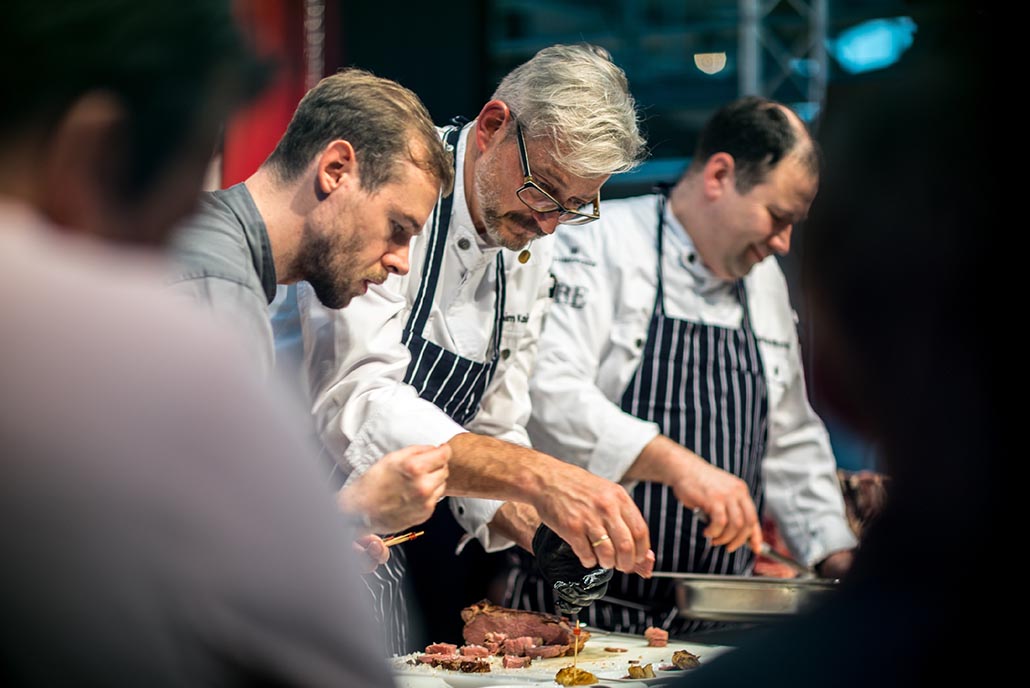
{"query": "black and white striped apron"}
pixel 453 383
pixel 704 387
pixel 456 385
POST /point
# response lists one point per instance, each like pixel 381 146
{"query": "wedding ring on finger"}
pixel 599 540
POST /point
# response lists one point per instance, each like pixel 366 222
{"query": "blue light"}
pixel 874 44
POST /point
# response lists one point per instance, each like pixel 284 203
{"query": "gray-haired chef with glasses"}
pixel 443 354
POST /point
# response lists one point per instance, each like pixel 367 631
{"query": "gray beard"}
pixel 491 223
pixel 491 219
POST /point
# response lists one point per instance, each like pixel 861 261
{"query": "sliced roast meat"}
pixel 548 651
pixel 484 618
pixel 494 641
pixel 437 659
pixel 512 662
pixel 656 637
pixel 441 649
pixel 475 651
pixel 518 646
pixel 474 666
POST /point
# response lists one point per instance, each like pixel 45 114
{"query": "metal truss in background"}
pixel 782 52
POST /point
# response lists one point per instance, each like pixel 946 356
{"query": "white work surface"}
pixel 609 667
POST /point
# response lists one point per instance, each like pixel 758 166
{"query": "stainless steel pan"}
pixel 746 598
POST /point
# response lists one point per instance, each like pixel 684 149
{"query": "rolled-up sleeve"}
pixel 356 364
pixel 474 515
pixel 572 417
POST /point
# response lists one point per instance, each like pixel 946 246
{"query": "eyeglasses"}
pixel 538 200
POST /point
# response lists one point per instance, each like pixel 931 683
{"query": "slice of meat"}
pixel 441 649
pixel 518 646
pixel 474 666
pixel 547 651
pixel 468 665
pixel 656 637
pixel 440 660
pixel 431 658
pixel 474 651
pixel 485 617
pixel 513 662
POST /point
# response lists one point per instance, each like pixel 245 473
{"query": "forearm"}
pixel 725 498
pixel 578 506
pixel 490 468
pixel 662 461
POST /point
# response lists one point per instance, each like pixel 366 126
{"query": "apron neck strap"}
pixel 439 223
pixel 663 198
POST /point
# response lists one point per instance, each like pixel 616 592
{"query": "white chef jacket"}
pixel 594 339
pixel 355 360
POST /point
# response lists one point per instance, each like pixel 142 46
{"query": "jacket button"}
pixel 505 353
pixel 640 343
pixel 464 243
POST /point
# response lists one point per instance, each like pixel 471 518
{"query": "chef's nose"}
pixel 779 243
pixel 547 222
pixel 395 260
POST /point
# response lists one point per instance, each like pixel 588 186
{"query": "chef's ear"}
pixel 492 123
pixel 717 175
pixel 337 166
pixel 86 157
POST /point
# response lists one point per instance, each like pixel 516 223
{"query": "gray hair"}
pixel 576 96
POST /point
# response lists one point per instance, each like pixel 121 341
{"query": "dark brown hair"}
pixel 385 123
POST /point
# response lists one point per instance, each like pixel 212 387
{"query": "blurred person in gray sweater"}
pixel 162 521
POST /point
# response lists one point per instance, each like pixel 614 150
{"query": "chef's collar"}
pixel 679 244
pixel 473 247
pixel 461 219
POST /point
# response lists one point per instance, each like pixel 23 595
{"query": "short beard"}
pixel 325 278
pixel 492 219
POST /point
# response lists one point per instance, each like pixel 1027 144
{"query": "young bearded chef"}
pixel 356 173
pixel 671 348
pixel 443 354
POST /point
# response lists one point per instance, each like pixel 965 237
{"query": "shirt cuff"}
pixel 826 536
pixel 620 445
pixel 381 433
pixel 474 515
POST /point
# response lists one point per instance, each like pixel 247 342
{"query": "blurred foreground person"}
pixel 160 522
pixel 897 266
